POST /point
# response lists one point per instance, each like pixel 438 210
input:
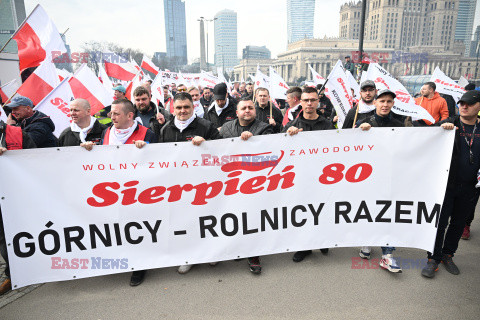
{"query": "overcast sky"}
pixel 140 24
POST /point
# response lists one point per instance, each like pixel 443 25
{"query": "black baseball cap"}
pixel 386 91
pixel 470 97
pixel 368 83
pixel 220 91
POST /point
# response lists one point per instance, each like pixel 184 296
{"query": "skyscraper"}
pixel 465 18
pixel 175 30
pixel 300 14
pixel 12 14
pixel 226 39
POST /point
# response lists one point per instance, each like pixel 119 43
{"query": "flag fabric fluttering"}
pixel 40 83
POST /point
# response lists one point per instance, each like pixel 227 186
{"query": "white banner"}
pixel 118 208
pixel 338 91
pixel 446 85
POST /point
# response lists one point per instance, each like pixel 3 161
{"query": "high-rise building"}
pixel 226 39
pixel 400 24
pixel 255 52
pixel 474 44
pixel 300 17
pixel 465 19
pixel 12 14
pixel 176 30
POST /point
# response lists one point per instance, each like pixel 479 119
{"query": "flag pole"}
pixel 16 31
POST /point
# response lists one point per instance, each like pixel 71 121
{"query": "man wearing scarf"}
pixel 186 126
pixel 83 127
pixel 223 109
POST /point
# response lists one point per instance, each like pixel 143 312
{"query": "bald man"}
pixel 83 127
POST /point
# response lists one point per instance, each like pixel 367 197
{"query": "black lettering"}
pixel 266 217
pixel 245 225
pixel 95 232
pixel 208 227
pixel 75 239
pixel 284 217
pixel 422 209
pixel 363 207
pixel 316 213
pixel 56 242
pixel 128 236
pixel 29 245
pixel 399 211
pixel 386 205
pixel 343 213
pixel 118 235
pixel 223 223
pixel 153 231
pixel 293 216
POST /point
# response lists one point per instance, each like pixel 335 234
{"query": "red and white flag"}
pixel 9 89
pixel 104 79
pixel 132 85
pixel 86 85
pixel 63 74
pixel 338 91
pixel 261 79
pixel 446 85
pixel 278 86
pixel 317 79
pixel 37 39
pixel 157 90
pixel 40 83
pixel 148 65
pixel 56 106
pixel 118 67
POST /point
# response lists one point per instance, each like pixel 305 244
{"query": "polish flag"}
pixel 9 89
pixel 278 86
pixel 118 67
pixel 86 85
pixel 317 79
pixel 37 38
pixel 136 82
pixel 104 79
pixel 148 65
pixel 63 74
pixel 40 83
pixel 56 106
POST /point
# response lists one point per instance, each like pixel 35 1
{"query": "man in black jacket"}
pixel 36 124
pixel 147 113
pixel 223 109
pixel 460 197
pixel 83 127
pixel 368 91
pixel 186 126
pixel 310 119
pixel 206 98
pixel 246 126
pixel 266 112
pixel 11 138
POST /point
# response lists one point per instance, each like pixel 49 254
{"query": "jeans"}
pixel 456 206
pixel 471 211
pixel 388 250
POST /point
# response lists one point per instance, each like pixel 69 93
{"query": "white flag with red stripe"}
pixel 148 65
pixel 446 85
pixel 278 86
pixel 208 80
pixel 86 85
pixel 339 93
pixel 63 74
pixel 38 39
pixel 40 83
pixel 118 66
pixel 56 106
pixel 317 78
pixel 9 89
pixel 157 90
pixel 261 79
pixel 104 79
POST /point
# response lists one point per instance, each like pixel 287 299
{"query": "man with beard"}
pixel 310 119
pixel 431 101
pixel 266 112
pixel 83 127
pixel 223 109
pixel 368 91
pixel 147 113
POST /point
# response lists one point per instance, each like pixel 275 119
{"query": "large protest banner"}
pixel 70 213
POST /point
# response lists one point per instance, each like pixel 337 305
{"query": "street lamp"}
pixel 206 26
pixel 476 64
pixel 223 57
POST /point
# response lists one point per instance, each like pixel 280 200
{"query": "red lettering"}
pixel 100 190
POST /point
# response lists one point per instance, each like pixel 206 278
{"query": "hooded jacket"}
pixel 40 128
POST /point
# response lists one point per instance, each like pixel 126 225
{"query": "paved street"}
pixel 320 287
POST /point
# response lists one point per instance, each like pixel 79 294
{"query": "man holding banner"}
pixel 310 119
pixel 266 112
pixel 11 138
pixel 83 127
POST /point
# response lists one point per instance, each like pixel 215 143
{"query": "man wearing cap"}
pixel 461 195
pixel 349 65
pixel 83 127
pixel 382 117
pixel 11 138
pixel 104 114
pixel 36 124
pixel 310 119
pixel 431 101
pixel 222 109
pixel 368 91
pixel 263 106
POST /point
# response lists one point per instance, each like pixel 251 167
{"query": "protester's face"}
pixel 221 103
pixel 183 109
pixel 347 59
pixel 182 89
pixel 241 88
pixel 195 95
pixel 236 86
pixel 384 104
pixel 291 100
pixel 368 94
pixel 78 113
pixel 142 103
pixel 262 97
pixel 426 90
pixel 246 111
pixel 165 92
pixel 118 95
pixel 21 112
pixel 207 94
pixel 468 110
pixel 249 88
pixel 119 118
pixel 309 102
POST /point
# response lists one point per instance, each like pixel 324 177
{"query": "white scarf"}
pixel 182 125
pixel 199 111
pixel 292 110
pixel 83 132
pixel 365 108
pixel 120 136
pixel 218 109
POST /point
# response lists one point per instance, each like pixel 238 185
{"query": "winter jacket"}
pixel 27 142
pixel 40 128
pixel 321 123
pixel 198 127
pixel 227 114
pixel 263 114
pixel 68 138
pixel 436 106
pixel 233 128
